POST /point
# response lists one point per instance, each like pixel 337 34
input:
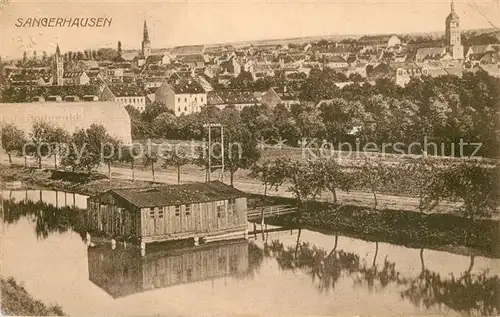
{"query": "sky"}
pixel 172 23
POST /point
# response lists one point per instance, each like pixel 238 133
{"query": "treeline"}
pixel 446 110
pixel 86 149
pixel 474 184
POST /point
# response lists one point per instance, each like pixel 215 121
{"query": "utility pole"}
pixel 210 126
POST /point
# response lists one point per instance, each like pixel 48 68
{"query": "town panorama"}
pixel 334 175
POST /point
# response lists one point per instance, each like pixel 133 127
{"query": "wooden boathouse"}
pixel 195 210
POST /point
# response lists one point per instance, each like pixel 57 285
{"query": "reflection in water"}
pixel 123 271
pixel 470 293
pixel 48 218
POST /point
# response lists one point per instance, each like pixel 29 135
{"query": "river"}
pixel 289 273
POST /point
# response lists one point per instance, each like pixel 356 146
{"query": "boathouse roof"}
pixel 172 195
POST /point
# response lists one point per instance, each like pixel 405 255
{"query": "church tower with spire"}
pixel 58 69
pixel 452 35
pixel 146 44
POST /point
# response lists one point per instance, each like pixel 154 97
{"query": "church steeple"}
pixel 146 44
pixel 453 40
pixel 58 68
pixel 145 36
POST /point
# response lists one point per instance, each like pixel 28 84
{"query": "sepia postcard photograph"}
pixel 264 158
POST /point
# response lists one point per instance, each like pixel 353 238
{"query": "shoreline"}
pixel 17 301
pixel 446 232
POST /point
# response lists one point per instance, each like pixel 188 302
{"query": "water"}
pixel 280 273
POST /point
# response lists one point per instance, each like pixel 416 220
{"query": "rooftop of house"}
pixel 188 50
pixel 424 52
pixel 126 90
pixel 374 38
pixel 154 59
pixel 72 74
pixel 335 59
pixel 187 87
pixel 231 97
pixel 192 58
pixel 174 195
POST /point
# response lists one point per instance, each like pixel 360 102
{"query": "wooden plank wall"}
pixel 202 217
pixel 105 217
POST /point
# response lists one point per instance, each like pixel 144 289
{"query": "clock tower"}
pixel 452 35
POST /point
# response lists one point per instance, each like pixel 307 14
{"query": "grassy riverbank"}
pixel 414 229
pixel 17 302
pixel 65 181
pixel 411 228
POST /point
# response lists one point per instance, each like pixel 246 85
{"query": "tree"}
pixel 13 139
pixel 374 175
pixel 333 176
pixel 153 110
pixel 129 154
pixel 176 159
pixel 304 182
pixel 261 172
pixel 40 137
pixel 89 147
pixel 110 151
pixel 243 81
pixel 58 140
pixel 25 57
pixel 247 153
pixel 476 185
pixel 149 160
pixel 44 56
pixel 428 180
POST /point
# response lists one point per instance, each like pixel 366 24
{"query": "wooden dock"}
pixel 261 213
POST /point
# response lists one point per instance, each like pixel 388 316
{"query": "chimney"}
pixel 284 88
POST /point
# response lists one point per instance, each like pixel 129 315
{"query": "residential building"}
pixel 335 62
pixel 76 78
pixel 158 59
pixel 280 95
pixel 183 97
pixel 125 94
pixel 187 50
pixel 379 41
pixel 237 98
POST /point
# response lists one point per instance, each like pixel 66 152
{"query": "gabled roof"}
pixel 430 52
pixel 336 59
pixel 126 90
pixel 72 74
pixel 192 58
pixel 188 50
pixel 154 59
pixel 231 97
pixel 375 38
pixel 173 195
pixel 187 87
